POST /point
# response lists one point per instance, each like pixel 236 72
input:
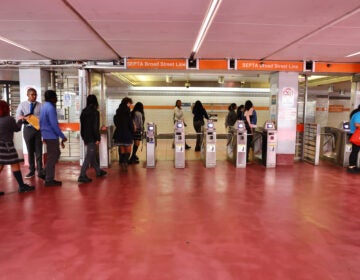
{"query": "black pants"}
pixel 34 146
pixel 197 127
pixel 53 155
pixel 354 155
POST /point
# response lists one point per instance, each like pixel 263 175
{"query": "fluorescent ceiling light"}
pixel 124 78
pixel 14 44
pixel 201 89
pixel 353 54
pixel 215 4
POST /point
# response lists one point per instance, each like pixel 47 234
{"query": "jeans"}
pixel 90 159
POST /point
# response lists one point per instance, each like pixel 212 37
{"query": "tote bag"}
pixel 355 138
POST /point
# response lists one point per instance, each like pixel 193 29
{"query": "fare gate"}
pixel 150 145
pixel 209 145
pixel 179 144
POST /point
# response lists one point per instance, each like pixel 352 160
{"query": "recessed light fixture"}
pixel 210 15
pixel 14 44
pixel 353 54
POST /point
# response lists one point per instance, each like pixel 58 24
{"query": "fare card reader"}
pixel 209 145
pixel 269 145
pixel 150 145
pixel 239 142
pixel 179 144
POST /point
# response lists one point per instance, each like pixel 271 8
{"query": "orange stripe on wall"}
pixel 208 107
pixel 69 126
pixel 213 64
pixel 159 107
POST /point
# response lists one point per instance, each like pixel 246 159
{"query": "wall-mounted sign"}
pixel 138 63
pixel 289 66
pixel 287 96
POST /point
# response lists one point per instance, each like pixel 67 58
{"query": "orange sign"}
pixel 215 64
pixel 289 66
pixel 329 67
pixel 175 64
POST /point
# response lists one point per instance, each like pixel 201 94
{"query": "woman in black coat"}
pixel 90 122
pixel 123 134
pixel 199 113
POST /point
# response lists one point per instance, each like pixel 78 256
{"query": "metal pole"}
pixel 83 92
pixel 304 114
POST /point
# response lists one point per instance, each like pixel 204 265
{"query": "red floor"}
pixel 297 222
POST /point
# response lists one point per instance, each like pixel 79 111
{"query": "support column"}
pixel 83 93
pixel 355 91
pixel 283 111
pixel 39 80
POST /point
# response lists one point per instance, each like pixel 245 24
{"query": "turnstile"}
pixel 237 146
pixel 346 146
pixel 335 145
pixel 209 145
pixel 269 145
pixel 150 145
pixel 179 144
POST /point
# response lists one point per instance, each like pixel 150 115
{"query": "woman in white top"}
pixel 179 116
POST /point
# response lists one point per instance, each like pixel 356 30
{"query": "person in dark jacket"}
pixel 123 134
pixel 240 112
pixel 249 109
pixel 8 153
pixel 138 117
pixel 230 121
pixel 89 130
pixel 199 113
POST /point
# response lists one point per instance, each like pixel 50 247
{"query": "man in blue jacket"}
pixel 50 132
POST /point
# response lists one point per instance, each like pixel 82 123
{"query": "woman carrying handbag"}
pixel 355 140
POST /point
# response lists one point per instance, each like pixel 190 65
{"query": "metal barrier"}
pixel 265 144
pixel 179 144
pixel 236 148
pixel 150 145
pixel 311 148
pixel 208 150
pixel 335 146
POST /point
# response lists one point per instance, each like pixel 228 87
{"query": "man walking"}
pixel 51 133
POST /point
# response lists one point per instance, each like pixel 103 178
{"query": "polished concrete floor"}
pixel 289 222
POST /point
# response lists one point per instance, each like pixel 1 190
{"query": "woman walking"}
pixel 199 113
pixel 90 123
pixel 138 117
pixel 8 153
pixel 123 134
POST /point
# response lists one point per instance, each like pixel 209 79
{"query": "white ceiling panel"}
pixel 136 49
pixel 8 52
pixel 101 30
pixel 141 10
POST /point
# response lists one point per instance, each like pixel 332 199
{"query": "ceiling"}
pixel 82 30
